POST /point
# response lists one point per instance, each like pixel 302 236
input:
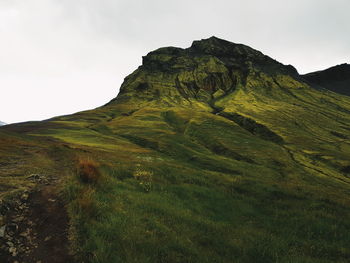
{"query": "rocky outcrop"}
pixel 208 70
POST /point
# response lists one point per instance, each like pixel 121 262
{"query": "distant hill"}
pixel 336 79
pixel 2 123
pixel 212 153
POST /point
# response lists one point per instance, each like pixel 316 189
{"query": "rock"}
pixel 24 234
pixel 18 219
pixel 13 251
pixel 2 231
pixel 12 228
pixel 34 176
pixel 10 244
pixel 24 196
pixel 47 238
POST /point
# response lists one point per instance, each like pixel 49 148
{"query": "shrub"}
pixel 88 171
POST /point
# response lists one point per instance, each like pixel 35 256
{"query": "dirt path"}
pixel 36 229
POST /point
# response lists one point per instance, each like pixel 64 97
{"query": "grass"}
pixel 192 221
pixel 171 194
pixel 207 206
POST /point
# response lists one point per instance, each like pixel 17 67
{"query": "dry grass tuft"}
pixel 88 171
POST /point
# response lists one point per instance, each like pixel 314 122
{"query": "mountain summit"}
pixel 209 69
pixel 213 153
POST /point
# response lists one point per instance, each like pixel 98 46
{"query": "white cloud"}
pixel 61 56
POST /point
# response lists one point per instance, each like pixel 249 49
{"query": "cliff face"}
pixel 336 79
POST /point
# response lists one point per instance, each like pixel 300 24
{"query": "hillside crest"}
pixel 209 70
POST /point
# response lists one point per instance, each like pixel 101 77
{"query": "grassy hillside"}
pixel 215 153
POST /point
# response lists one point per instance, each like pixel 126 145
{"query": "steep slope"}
pixel 336 79
pixel 214 153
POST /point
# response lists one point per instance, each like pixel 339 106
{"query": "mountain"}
pixel 213 153
pixel 2 123
pixel 336 79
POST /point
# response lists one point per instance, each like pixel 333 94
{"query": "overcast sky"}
pixel 62 56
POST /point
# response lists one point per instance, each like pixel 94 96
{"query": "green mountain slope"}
pixel 215 153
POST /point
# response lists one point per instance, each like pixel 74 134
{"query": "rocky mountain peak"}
pixel 223 48
pixel 209 68
pixel 230 54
